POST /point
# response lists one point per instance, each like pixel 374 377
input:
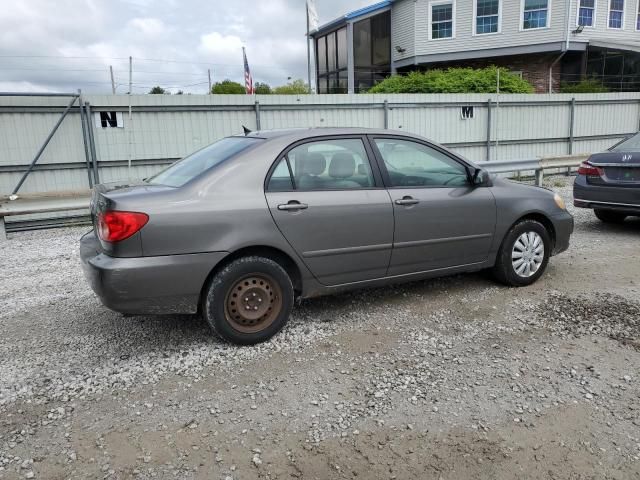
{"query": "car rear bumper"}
pixel 146 285
pixel 622 199
pixel 563 226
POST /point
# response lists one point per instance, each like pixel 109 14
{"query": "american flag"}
pixel 248 81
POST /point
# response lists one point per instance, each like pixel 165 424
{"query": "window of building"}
pixel 331 50
pixel 616 13
pixel 371 50
pixel 536 14
pixel 638 17
pixel 442 18
pixel 322 55
pixel 586 13
pixel 342 48
pixel 487 13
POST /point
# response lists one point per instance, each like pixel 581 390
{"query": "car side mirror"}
pixel 480 178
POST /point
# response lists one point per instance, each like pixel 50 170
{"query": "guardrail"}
pixel 41 204
pixel 538 166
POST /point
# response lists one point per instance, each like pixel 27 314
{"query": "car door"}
pixel 331 206
pixel 441 220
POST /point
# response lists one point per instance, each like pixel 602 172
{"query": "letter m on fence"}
pixel 466 112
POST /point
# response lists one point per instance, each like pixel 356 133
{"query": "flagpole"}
pixel 308 49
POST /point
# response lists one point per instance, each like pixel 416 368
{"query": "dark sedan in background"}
pixel 609 182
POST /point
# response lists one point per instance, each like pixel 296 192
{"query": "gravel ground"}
pixel 447 379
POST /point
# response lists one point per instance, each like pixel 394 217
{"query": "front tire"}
pixel 524 254
pixel 609 216
pixel 249 300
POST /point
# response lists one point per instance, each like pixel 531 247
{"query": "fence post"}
pixel 92 144
pixel 84 139
pixel 386 114
pixel 257 109
pixel 572 116
pixel 488 154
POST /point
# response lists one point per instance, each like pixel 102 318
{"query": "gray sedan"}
pixel 239 229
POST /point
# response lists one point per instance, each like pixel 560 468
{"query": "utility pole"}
pixel 497 111
pixel 113 83
pixel 209 72
pixel 308 50
pixel 130 118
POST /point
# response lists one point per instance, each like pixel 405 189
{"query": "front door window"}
pixel 411 164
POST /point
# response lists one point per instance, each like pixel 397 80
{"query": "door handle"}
pixel 293 205
pixel 407 201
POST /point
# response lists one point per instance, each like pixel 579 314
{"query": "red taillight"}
pixel 589 170
pixel 114 226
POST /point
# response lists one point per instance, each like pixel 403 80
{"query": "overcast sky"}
pixel 63 45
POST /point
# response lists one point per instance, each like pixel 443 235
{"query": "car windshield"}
pixel 631 144
pixel 180 172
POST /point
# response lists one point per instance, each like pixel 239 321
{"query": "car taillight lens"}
pixel 589 170
pixel 114 226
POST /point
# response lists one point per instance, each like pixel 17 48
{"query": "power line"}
pixel 137 59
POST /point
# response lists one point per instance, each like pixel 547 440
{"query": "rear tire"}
pixel 523 255
pixel 609 216
pixel 248 301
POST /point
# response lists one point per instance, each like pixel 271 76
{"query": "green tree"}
pixel 262 88
pixel 227 87
pixel 179 92
pixel 588 85
pixel 157 90
pixel 296 87
pixel 454 80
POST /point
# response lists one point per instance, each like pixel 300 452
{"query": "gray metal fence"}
pixel 164 128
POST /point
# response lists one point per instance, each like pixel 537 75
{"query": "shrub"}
pixel 454 80
pixel 588 85
pixel 297 87
pixel 262 88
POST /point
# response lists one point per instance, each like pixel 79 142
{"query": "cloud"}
pixel 151 27
pixel 69 44
pixel 220 46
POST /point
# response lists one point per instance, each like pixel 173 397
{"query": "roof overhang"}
pixel 551 47
pixel 352 17
pixel 629 46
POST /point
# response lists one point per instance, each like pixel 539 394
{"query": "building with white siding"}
pixel 546 41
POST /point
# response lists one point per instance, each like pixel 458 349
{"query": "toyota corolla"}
pixel 239 229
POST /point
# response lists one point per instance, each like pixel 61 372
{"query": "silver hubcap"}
pixel 527 254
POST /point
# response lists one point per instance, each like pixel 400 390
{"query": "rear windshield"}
pixel 180 172
pixel 631 144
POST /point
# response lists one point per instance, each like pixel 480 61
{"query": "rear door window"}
pixel 281 180
pixel 334 164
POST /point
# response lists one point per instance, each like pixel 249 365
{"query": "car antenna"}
pixel 246 130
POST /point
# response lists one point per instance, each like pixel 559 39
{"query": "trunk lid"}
pixel 619 168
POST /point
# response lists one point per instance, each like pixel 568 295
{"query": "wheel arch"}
pixel 273 253
pixel 544 220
